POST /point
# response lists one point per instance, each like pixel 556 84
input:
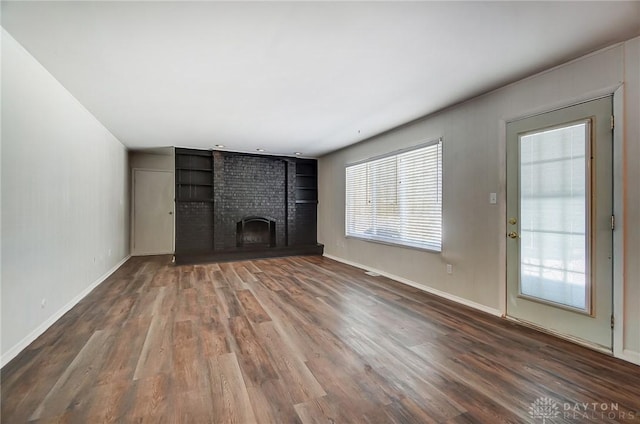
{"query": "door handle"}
pixel 512 235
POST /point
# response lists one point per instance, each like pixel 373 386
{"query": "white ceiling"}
pixel 289 77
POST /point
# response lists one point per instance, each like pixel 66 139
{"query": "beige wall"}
pixel 474 166
pixel 160 159
pixel 65 203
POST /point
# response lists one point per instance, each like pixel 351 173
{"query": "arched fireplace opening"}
pixel 256 231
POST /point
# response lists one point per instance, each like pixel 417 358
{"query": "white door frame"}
pixel 132 212
pixel 618 206
pixel 618 234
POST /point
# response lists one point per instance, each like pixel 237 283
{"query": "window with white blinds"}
pixel 397 198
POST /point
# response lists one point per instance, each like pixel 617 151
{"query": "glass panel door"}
pixel 559 237
pixel 554 181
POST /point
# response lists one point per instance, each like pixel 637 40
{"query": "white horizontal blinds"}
pixel 398 198
pixel 553 215
pixel 420 187
pixel 359 216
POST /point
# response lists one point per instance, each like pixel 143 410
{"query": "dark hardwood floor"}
pixel 301 339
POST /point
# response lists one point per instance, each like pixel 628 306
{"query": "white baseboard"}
pixel 630 356
pixel 152 254
pixel 22 344
pixel 427 289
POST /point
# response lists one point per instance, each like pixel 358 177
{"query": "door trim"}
pixel 619 166
pixel 132 213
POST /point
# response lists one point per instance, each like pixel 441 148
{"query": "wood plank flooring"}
pixel 300 340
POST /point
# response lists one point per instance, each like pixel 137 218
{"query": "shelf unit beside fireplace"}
pixel 306 181
pixel 194 200
pixel 194 176
pixel 306 201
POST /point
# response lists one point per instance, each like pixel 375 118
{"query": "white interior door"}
pixel 152 212
pixel 559 212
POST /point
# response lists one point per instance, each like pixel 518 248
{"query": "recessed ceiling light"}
pixel 260 150
pixel 220 145
pixel 298 153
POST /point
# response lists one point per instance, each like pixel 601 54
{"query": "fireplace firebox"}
pixel 256 231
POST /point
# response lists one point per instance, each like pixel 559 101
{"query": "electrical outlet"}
pixel 449 269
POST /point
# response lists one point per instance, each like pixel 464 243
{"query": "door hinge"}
pixel 613 321
pixel 613 222
pixel 613 122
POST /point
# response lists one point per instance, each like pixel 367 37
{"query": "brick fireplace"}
pixel 236 205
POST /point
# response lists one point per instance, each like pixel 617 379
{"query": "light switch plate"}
pixel 493 198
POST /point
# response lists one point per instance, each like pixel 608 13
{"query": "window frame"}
pixel 391 242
